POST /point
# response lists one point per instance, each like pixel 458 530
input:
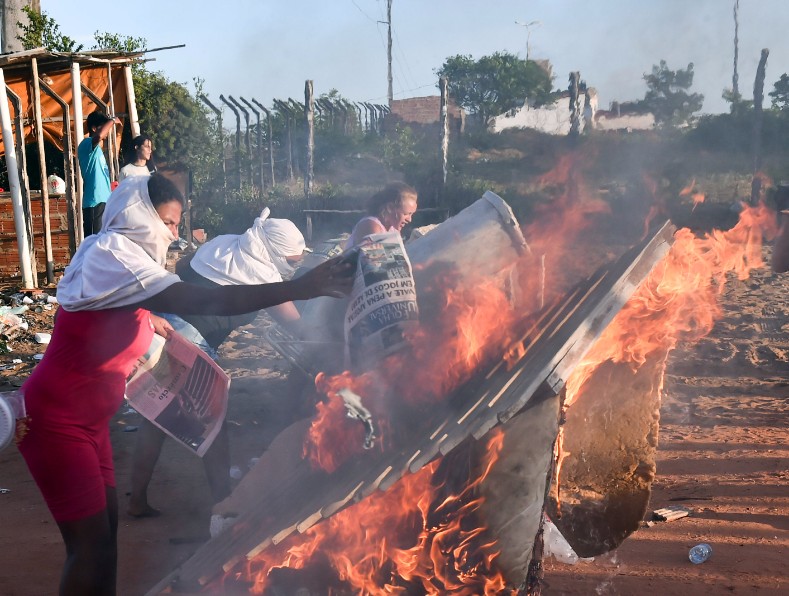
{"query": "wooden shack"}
pixel 44 98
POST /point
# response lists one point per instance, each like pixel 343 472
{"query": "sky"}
pixel 267 49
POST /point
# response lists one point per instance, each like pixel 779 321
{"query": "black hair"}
pixel 139 140
pixel 390 194
pixel 96 119
pixel 163 190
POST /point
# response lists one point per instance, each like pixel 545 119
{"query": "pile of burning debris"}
pixel 515 404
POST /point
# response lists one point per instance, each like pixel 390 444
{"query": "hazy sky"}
pixel 267 48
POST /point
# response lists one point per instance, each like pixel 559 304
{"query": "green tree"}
pixel 494 84
pixel 780 93
pixel 42 31
pixel 667 96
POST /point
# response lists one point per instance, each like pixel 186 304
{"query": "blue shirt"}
pixel 95 173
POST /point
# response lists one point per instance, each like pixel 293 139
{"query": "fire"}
pixel 415 537
pixel 677 301
pixel 688 191
pixel 421 535
pixel 441 355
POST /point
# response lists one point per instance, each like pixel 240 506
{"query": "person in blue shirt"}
pixel 95 173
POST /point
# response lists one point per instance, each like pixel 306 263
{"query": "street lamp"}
pixel 528 26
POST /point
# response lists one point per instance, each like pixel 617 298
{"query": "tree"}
pixel 667 96
pixel 494 84
pixel 41 31
pixel 780 93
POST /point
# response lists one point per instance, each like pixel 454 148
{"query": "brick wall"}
pixel 9 250
pixel 424 111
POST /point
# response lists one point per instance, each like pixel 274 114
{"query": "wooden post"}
pixel 112 145
pixel 20 221
pixel 50 266
pixel 758 117
pixel 79 134
pixel 131 99
pixel 309 115
pixel 444 115
pixel 24 181
pixel 68 169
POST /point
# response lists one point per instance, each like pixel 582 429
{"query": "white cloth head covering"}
pixel 255 257
pixel 124 263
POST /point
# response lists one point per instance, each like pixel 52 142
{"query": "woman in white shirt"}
pixel 143 149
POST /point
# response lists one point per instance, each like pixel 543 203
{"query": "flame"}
pixel 677 301
pixel 421 535
pixel 411 538
pixel 471 320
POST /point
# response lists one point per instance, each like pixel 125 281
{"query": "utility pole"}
pixel 390 93
pixel 12 15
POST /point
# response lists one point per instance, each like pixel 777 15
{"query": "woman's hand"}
pixel 332 278
pixel 161 326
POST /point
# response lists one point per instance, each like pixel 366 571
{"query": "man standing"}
pixel 95 173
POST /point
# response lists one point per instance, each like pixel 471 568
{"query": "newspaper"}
pixel 181 390
pixel 382 303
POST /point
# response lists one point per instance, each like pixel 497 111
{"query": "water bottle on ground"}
pixel 700 553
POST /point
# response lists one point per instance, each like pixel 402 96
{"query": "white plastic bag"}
pixel 56 184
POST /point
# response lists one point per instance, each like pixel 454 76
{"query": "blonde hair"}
pixel 391 195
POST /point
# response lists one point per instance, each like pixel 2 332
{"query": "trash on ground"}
pixel 670 513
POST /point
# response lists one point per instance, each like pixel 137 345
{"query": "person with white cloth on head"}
pixel 102 327
pixel 267 252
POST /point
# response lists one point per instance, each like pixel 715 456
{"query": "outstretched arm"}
pixel 331 278
pixel 781 246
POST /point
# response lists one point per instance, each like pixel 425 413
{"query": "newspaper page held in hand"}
pixel 181 390
pixel 382 304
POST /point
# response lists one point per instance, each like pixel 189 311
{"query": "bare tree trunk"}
pixel 735 86
pixel 758 98
pixel 444 127
pixel 575 105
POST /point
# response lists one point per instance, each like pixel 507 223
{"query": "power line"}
pixel 359 8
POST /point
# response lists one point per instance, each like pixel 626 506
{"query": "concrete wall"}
pixel 626 122
pixel 552 119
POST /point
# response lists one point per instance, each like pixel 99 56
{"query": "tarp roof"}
pixel 55 69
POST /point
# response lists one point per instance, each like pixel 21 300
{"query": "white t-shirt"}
pixel 130 170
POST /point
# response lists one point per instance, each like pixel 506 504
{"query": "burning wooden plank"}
pixel 520 398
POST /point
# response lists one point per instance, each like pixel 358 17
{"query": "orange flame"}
pixel 677 301
pixel 410 538
pixel 441 355
pixel 414 537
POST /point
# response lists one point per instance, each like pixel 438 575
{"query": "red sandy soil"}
pixel 723 453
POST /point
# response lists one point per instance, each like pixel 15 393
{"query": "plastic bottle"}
pixel 700 553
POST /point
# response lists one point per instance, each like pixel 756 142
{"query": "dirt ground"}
pixel 723 453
